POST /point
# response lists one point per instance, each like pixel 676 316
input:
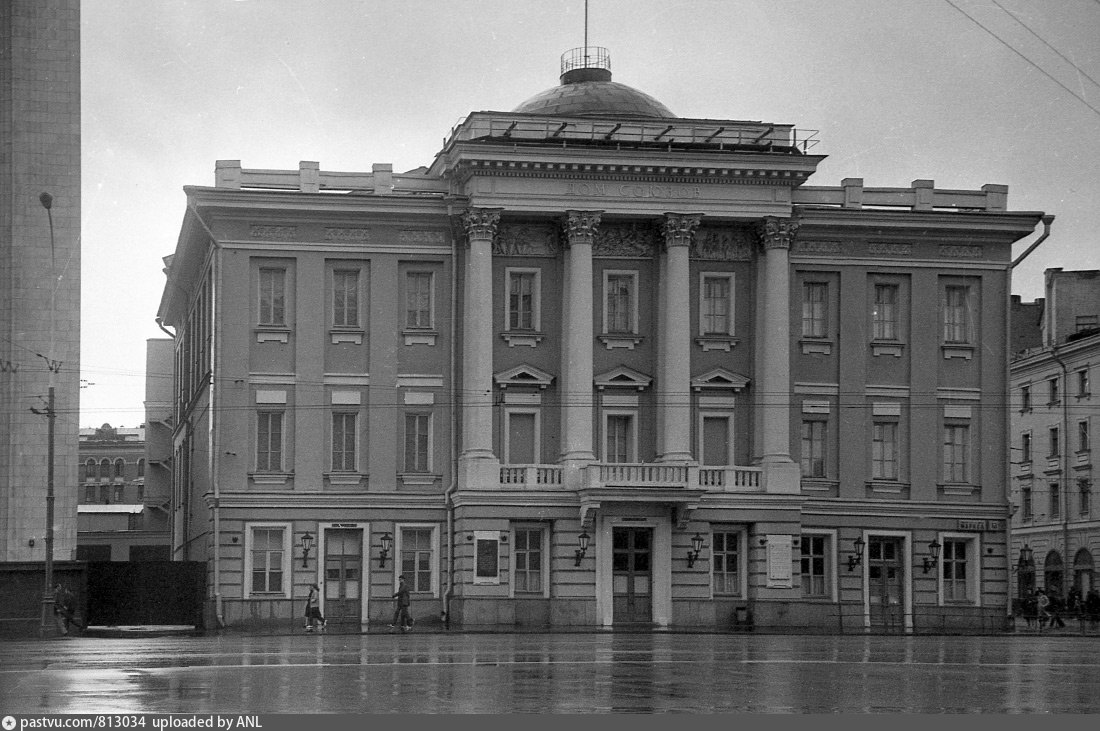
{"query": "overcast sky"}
pixel 900 90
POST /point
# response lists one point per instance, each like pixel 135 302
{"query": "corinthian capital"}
pixel 679 228
pixel 777 233
pixel 481 223
pixel 580 226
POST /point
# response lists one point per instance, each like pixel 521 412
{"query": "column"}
pixel 781 475
pixel 674 374
pixel 577 309
pixel 477 335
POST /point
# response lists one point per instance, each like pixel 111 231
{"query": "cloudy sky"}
pixel 963 92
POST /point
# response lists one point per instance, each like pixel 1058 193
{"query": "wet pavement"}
pixel 555 673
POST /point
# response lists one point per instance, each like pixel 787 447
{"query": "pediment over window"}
pixel 622 377
pixel 719 378
pixel 523 375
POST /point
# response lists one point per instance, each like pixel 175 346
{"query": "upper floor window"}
pixel 620 297
pixel 141 468
pixel 1025 398
pixel 957 319
pixel 345 298
pixel 716 311
pixel 1084 443
pixel 419 304
pixel 1025 500
pixel 1084 493
pixel 716 439
pixel 813 447
pixel 956 453
pixel 90 469
pixel 1083 382
pixel 1055 500
pixel 418 438
pixel 104 469
pixel 269 441
pixel 1055 441
pixel 814 309
pixel 1055 394
pixel 119 470
pixel 523 299
pixel 272 296
pixel 884 312
pixel 344 438
pixel 521 431
pixel 1025 447
pixel 619 438
pixel 884 450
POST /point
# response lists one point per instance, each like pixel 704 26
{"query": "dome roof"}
pixel 589 92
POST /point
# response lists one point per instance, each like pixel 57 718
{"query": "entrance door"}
pixel 343 575
pixel 632 575
pixel 885 583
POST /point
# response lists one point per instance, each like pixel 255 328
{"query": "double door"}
pixel 632 575
pixel 344 576
pixel 886 582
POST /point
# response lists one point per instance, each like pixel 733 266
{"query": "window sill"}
pixel 957 350
pixel 346 335
pixel 420 337
pixel 418 478
pixel 272 334
pixel 345 478
pixel 1085 395
pixel 891 487
pixel 619 340
pixel 270 478
pixel 523 339
pixel 816 346
pixel 887 347
pixel 725 343
pixel 958 488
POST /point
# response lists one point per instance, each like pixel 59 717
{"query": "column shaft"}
pixel 577 307
pixel 775 386
pixel 477 332
pixel 674 376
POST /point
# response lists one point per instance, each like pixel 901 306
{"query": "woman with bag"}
pixel 313 608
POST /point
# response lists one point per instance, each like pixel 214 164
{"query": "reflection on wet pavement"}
pixel 533 673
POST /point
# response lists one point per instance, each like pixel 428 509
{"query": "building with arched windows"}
pixel 596 364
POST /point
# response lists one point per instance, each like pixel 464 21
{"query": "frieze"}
pixel 518 239
pixel 274 233
pixel 723 245
pixel 421 237
pixel 634 190
pixel 347 234
pixel 961 252
pixel 890 249
pixel 818 247
pixel 625 239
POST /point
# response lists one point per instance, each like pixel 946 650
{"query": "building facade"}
pixel 40 268
pixel 1056 526
pixel 596 365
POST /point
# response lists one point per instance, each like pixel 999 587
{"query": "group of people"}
pixel 1048 609
pixel 401 618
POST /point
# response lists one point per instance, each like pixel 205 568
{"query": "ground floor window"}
pixel 416 550
pixel 527 557
pixel 268 558
pixel 727 562
pixel 815 565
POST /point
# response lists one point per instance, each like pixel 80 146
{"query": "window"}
pixel 1055 442
pixel 345 298
pixel 141 492
pixel 117 498
pixel 344 436
pixel 523 299
pixel 956 314
pixel 727 562
pixel 417 554
pixel 104 470
pixel 1055 500
pixel 954 559
pixel 1084 444
pixel 1083 383
pixel 884 312
pixel 716 440
pixel 813 448
pixel 105 494
pixel 1084 495
pixel 1025 398
pixel 1025 498
pixel 89 470
pixel 527 571
pixel 884 450
pixel 418 436
pixel 956 453
pixel 119 469
pixel 1025 447
pixel 1055 395
pixel 715 314
pixel 89 493
pixel 814 566
pixel 619 438
pixel 272 296
pixel 269 441
pixel 141 468
pixel 418 300
pixel 814 302
pixel 620 313
pixel 267 558
pixel 486 557
pixel 522 436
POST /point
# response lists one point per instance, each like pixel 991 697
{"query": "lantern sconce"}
pixel 934 552
pixel 387 542
pixel 1026 561
pixel 857 558
pixel 307 546
pixel 582 541
pixel 696 547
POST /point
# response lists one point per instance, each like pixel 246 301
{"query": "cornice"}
pixel 992 223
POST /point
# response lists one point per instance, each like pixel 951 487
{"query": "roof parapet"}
pixel 922 195
pixel 309 178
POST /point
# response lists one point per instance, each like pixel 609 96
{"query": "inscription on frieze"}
pixel 890 249
pixel 818 247
pixel 723 244
pixel 347 234
pixel 421 237
pixel 664 191
pixel 625 239
pixel 523 239
pixel 273 233
pixel 961 252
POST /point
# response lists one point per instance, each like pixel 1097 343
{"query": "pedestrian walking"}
pixel 1042 605
pixel 1056 609
pixel 64 608
pixel 401 617
pixel 313 609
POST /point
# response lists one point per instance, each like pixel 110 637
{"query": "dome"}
pixel 586 90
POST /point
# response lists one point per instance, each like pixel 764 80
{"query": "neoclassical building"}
pixel 596 365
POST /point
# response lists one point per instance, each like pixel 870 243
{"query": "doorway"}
pixel 886 583
pixel 343 576
pixel 632 575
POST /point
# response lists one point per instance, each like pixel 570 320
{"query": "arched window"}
pixel 104 469
pixel 120 468
pixel 1052 574
pixel 89 470
pixel 1082 571
pixel 141 468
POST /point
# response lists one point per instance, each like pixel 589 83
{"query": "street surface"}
pixel 555 673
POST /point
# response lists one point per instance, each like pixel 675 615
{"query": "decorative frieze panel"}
pixel 723 244
pixel 527 239
pixel 626 240
pixel 961 252
pixel 358 235
pixel 878 249
pixel 818 248
pixel 422 237
pixel 273 233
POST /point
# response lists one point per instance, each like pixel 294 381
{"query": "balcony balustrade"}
pixel 646 474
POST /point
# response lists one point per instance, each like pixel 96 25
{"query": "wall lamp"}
pixel 582 541
pixel 1026 561
pixel 857 558
pixel 387 543
pixel 696 547
pixel 307 546
pixel 934 552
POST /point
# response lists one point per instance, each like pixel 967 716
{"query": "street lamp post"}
pixel 47 595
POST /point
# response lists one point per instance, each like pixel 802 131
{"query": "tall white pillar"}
pixel 577 308
pixel 477 335
pixel 674 374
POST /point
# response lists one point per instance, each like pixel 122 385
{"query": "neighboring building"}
pixel 40 297
pixel 117 520
pixel 1056 526
pixel 596 365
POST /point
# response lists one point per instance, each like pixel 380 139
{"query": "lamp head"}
pixel 46 200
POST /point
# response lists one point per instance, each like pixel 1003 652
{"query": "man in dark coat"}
pixel 401 617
